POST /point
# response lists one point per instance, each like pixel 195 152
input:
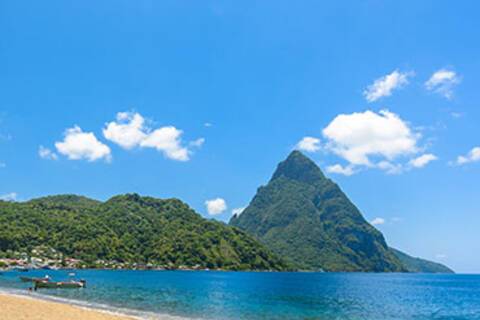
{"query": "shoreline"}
pixel 19 306
pixel 33 306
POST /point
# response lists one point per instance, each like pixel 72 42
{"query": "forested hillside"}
pixel 420 265
pixel 129 228
pixel 305 217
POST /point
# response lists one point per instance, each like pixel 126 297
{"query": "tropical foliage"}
pixel 420 265
pixel 130 228
pixel 306 218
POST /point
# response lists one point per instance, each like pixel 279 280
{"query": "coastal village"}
pixel 38 258
pixel 50 259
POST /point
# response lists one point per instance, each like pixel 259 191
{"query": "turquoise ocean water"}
pixel 257 295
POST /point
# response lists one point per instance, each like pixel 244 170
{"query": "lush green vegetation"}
pixel 306 218
pixel 420 265
pixel 300 215
pixel 129 228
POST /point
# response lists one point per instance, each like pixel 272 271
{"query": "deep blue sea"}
pixel 262 295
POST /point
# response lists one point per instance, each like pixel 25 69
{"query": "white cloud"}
pixel 339 169
pixel 127 131
pixel 238 211
pixel 377 221
pixel 472 156
pixel 197 143
pixel 130 131
pixel 380 221
pixel 389 167
pixel 442 82
pixel 423 160
pixel 216 206
pixel 46 153
pixel 441 256
pixel 12 196
pixel 357 137
pixel 309 144
pixel 79 145
pixel 384 86
pixel 167 140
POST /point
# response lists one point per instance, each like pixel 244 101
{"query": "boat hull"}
pixel 29 279
pixel 58 285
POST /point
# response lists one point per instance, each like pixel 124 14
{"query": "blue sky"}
pixel 201 99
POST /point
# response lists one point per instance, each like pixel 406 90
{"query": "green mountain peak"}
pixel 298 167
pixel 306 218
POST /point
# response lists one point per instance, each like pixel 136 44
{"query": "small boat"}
pixel 21 269
pixel 29 279
pixel 60 285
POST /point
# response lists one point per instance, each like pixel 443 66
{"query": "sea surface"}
pixel 263 295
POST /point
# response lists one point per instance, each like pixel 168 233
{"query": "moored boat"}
pixel 21 269
pixel 30 279
pixel 60 285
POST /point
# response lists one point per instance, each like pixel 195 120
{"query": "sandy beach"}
pixel 25 308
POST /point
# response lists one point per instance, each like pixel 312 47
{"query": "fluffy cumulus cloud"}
pixel 423 160
pixel 384 86
pixel 12 196
pixel 472 156
pixel 442 82
pixel 130 131
pixel 309 144
pixel 127 131
pixel 167 140
pixel 373 140
pixel 46 153
pixel 357 137
pixel 377 221
pixel 238 211
pixel 216 206
pixel 339 169
pixel 78 145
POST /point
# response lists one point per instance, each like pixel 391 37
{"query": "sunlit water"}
pixel 255 295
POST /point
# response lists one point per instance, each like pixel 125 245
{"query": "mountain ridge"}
pixel 318 228
pixel 419 265
pixel 129 229
pixel 305 217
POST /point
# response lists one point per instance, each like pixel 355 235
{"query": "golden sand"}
pixel 24 308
